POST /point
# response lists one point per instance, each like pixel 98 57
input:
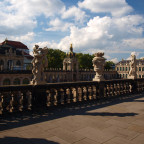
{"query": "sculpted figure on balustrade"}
pixel 98 64
pixel 39 62
pixel 132 64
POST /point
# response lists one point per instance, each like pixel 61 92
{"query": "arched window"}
pixel 126 68
pixel 6 81
pixel 143 69
pixel 25 81
pixel 16 81
pixel 18 63
pixel 139 68
pixel 1 62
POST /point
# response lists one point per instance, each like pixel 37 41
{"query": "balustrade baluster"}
pixel 48 94
pixel 1 103
pixel 127 87
pixel 29 99
pixel 115 89
pixel 79 94
pixel 62 96
pixel 20 100
pixel 90 93
pixel 121 88
pixel 108 90
pixel 112 89
pixel 94 91
pixel 55 97
pixel 11 100
pixel 68 94
pixel 85 93
pixel 130 87
pixel 74 94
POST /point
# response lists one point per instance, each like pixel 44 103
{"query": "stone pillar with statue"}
pixel 132 72
pixel 39 62
pixel 98 64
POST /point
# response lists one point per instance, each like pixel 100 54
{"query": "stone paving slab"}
pixel 118 122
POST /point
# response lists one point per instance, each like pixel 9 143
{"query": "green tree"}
pixel 85 60
pixel 55 58
pixel 109 65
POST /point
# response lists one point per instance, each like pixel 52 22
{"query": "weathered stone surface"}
pixel 98 64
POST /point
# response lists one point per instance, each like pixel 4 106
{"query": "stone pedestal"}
pixel 98 63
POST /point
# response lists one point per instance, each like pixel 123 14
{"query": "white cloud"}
pixel 76 13
pixel 133 53
pixel 107 34
pixel 58 25
pixel 114 60
pixel 115 7
pixel 18 17
pixel 134 43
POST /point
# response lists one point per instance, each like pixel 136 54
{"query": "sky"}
pixel 115 27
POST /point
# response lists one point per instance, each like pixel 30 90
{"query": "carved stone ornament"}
pixel 132 72
pixel 39 62
pixel 98 64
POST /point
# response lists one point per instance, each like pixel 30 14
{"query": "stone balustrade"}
pixel 27 97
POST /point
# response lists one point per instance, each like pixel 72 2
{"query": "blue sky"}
pixel 115 27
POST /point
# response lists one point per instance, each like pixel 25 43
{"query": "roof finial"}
pixel 71 47
pixel 6 40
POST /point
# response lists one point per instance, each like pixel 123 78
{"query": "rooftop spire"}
pixel 71 47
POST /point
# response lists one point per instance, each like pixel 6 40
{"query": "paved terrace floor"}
pixel 119 121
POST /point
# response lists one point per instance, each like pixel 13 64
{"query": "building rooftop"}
pixel 15 44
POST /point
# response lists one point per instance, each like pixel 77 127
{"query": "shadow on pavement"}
pixel 18 140
pixel 15 120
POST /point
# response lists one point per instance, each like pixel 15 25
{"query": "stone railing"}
pixel 21 98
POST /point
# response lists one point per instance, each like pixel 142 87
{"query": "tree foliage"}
pixel 55 58
pixel 85 60
pixel 109 65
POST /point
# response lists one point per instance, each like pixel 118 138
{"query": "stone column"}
pixel 98 63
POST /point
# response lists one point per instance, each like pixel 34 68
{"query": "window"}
pixel 117 68
pixel 18 63
pixel 120 69
pixel 142 76
pixel 126 68
pixel 123 76
pixel 123 68
pixel 139 68
pixel 126 75
pixel 25 81
pixel 1 62
pixel 143 69
pixel 16 81
pixel 139 76
pixel 6 82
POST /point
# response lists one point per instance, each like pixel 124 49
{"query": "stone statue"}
pixel 39 62
pixel 132 72
pixel 98 64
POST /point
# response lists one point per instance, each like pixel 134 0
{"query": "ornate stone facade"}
pixel 124 67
